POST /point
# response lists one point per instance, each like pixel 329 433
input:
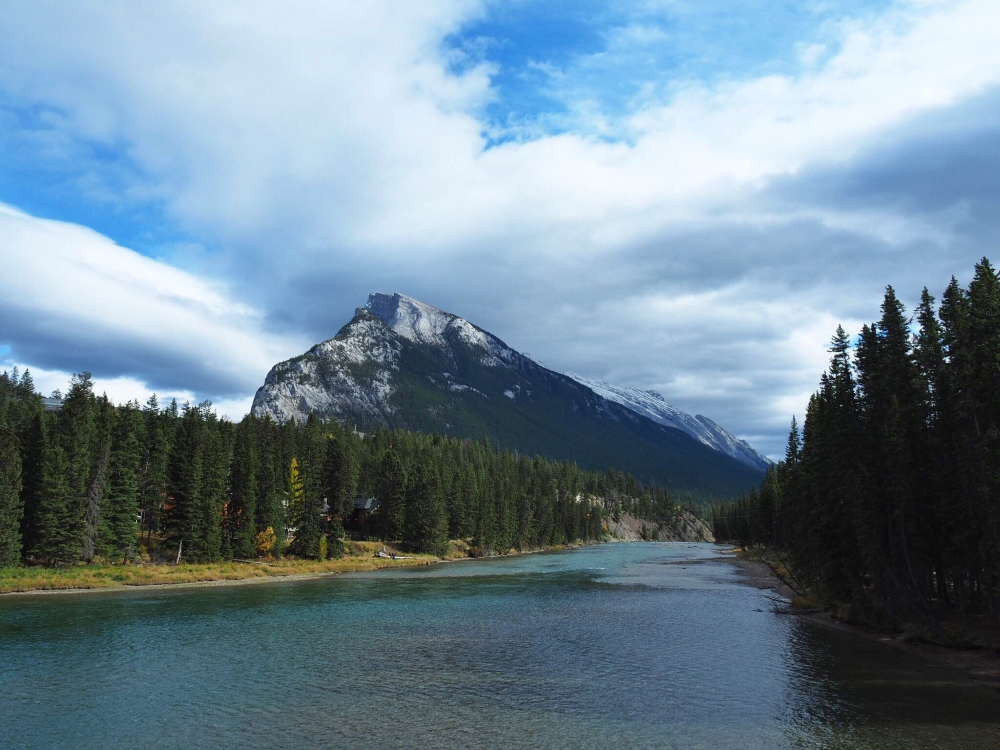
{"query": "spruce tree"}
pixel 33 483
pixel 118 531
pixel 271 498
pixel 60 524
pixel 341 483
pixel 426 525
pixel 212 494
pixel 241 510
pixel 181 519
pixel 984 388
pixel 152 470
pixel 76 436
pixel 305 513
pixel 96 483
pixel 391 493
pixel 11 508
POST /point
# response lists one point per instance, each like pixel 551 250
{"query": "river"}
pixel 620 645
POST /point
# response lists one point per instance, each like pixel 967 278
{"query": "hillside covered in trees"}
pixel 93 481
pixel 402 364
pixel 887 506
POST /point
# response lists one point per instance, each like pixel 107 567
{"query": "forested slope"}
pixel 95 480
pixel 888 503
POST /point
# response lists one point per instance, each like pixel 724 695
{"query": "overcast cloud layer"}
pixel 195 191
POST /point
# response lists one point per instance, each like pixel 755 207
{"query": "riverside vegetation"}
pixel 886 508
pixel 92 486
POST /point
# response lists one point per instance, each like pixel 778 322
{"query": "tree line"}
pixel 888 502
pixel 94 481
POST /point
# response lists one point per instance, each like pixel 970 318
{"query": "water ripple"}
pixel 645 645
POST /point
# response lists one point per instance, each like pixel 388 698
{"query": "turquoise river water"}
pixel 612 646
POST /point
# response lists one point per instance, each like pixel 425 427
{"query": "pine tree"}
pixel 75 435
pixel 101 452
pixel 304 511
pixel 10 498
pixel 426 525
pixel 455 502
pixel 271 498
pixel 60 524
pixel 152 470
pixel 181 518
pixel 341 482
pixel 391 494
pixel 241 510
pixel 118 531
pixel 33 483
pixel 206 541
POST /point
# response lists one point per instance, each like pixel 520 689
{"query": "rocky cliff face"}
pixel 402 363
pixel 356 374
pixel 685 527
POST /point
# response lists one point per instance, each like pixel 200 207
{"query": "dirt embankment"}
pixel 686 527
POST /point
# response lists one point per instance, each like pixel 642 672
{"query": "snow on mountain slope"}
pixel 423 324
pixel 324 379
pixel 652 405
pixel 402 364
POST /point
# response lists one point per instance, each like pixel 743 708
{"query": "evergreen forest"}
pixel 887 504
pixel 96 482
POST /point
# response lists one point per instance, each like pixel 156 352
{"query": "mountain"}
pixel 400 363
pixel 652 405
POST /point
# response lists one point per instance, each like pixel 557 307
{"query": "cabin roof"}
pixel 366 504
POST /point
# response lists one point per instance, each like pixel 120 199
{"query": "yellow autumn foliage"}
pixel 264 542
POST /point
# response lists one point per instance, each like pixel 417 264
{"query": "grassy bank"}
pixel 361 557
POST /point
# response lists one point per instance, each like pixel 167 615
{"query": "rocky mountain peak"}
pixel 401 363
pixel 410 318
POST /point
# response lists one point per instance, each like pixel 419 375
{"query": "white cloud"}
pixel 339 125
pixel 73 293
pixel 121 390
pixel 334 144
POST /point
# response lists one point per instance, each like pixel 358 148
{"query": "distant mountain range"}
pixel 400 363
pixel 651 404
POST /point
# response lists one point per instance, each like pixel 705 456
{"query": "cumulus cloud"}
pixel 706 245
pixel 72 300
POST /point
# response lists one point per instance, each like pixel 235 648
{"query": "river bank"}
pixel 962 666
pixel 90 578
pixel 361 558
pixel 646 645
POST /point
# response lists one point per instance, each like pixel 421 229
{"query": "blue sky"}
pixel 552 56
pixel 192 192
pixel 549 60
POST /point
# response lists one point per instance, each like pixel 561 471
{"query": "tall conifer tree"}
pixel 426 524
pixel 10 498
pixel 391 493
pixel 118 531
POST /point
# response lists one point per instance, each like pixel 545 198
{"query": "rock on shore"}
pixel 685 527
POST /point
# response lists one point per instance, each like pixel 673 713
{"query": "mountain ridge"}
pixel 402 363
pixel 654 406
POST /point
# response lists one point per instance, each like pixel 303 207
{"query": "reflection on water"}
pixel 603 646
